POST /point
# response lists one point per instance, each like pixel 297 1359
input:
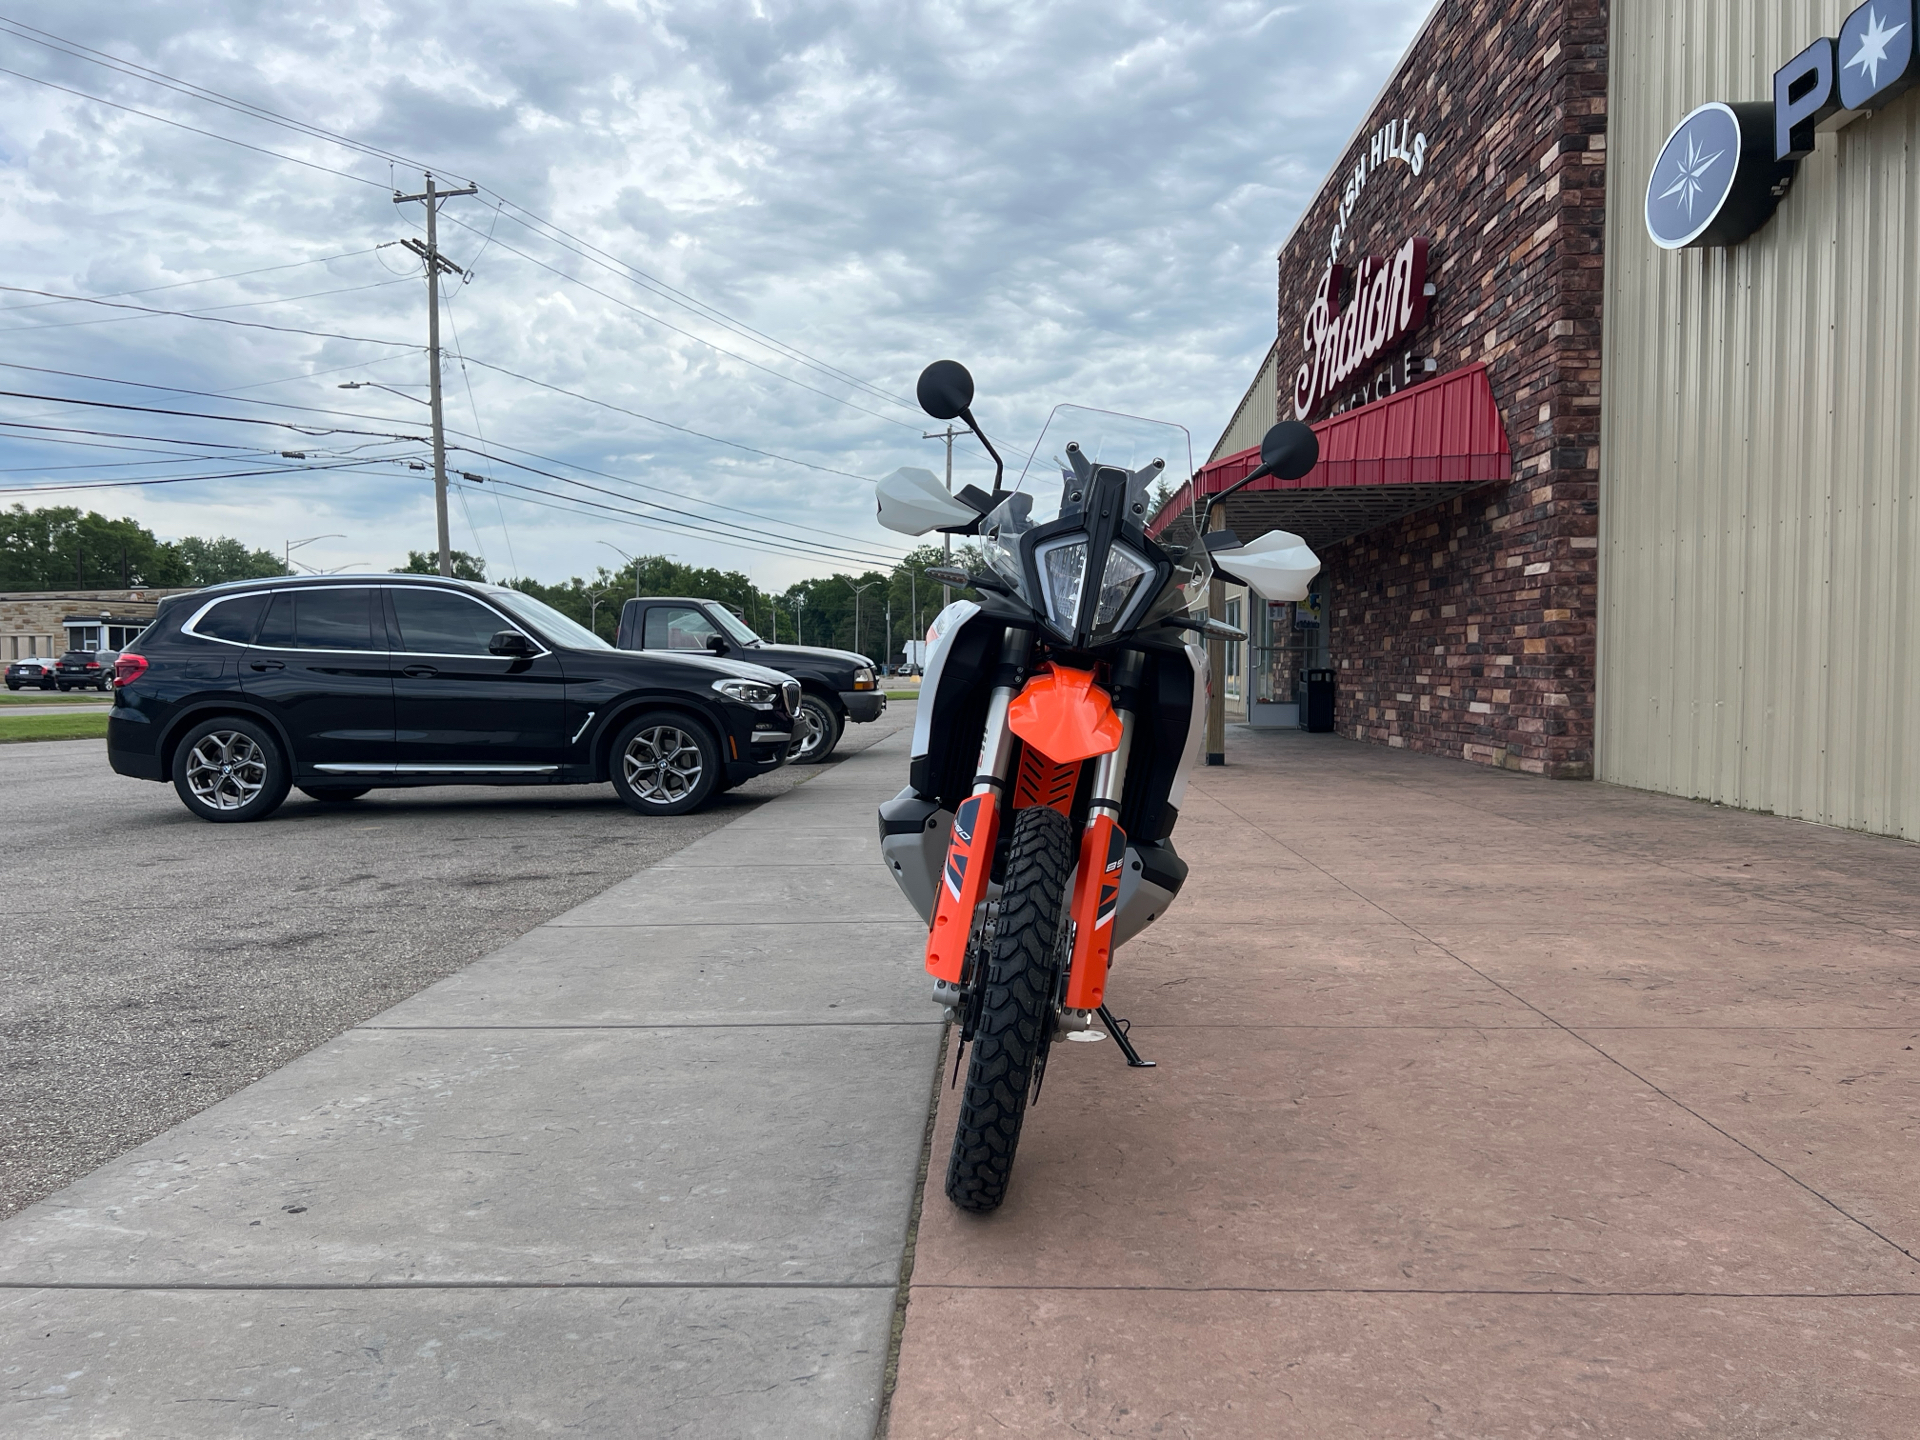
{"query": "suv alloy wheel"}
pixel 664 763
pixel 230 770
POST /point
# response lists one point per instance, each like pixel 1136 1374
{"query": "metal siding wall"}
pixel 1257 411
pixel 1760 450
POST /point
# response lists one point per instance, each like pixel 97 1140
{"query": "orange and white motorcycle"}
pixel 1059 717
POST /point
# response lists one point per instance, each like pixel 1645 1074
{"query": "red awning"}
pixel 1377 463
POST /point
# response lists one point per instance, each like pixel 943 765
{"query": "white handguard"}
pixel 1279 565
pixel 913 501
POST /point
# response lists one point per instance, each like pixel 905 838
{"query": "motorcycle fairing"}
pixel 964 877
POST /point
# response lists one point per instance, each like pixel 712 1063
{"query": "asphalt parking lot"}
pixel 152 964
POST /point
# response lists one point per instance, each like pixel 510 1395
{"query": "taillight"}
pixel 127 669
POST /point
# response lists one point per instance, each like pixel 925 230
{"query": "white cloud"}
pixel 1079 200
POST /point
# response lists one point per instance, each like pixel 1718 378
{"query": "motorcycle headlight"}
pixel 1125 570
pixel 1063 574
pixel 748 692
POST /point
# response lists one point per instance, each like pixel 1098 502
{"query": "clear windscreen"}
pixel 1129 442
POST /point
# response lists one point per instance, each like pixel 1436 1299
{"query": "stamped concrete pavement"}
pixel 1487 1107
pixel 645 1171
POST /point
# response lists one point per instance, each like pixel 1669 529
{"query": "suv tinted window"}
pixel 676 627
pixel 232 620
pixel 321 620
pixel 434 622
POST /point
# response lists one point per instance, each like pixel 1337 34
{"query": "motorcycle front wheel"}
pixel 1017 1009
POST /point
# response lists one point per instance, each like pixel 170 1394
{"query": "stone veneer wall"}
pixel 38 614
pixel 1469 629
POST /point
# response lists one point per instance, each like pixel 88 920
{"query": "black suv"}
pixel 84 669
pixel 342 686
pixel 836 686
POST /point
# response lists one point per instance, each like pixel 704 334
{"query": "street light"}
pixel 631 561
pixel 858 591
pixel 376 385
pixel 293 545
pixel 593 610
pixel 799 604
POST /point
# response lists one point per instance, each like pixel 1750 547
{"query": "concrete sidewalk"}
pixel 646 1171
pixel 1487 1107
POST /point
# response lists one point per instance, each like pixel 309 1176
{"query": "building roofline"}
pixel 1360 126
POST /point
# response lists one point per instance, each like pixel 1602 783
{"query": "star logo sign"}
pixel 1872 53
pixel 1688 188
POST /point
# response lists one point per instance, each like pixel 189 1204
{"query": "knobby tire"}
pixel 1017 1011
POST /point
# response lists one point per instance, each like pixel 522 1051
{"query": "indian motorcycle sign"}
pixel 1389 303
pixel 1389 295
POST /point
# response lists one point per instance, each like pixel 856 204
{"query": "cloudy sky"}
pixel 752 221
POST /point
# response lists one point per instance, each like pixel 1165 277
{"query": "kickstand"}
pixel 1118 1029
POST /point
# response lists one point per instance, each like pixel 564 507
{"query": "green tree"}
pixel 465 566
pixel 61 547
pixel 213 562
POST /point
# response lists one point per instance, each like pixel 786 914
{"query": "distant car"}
pixel 34 670
pixel 836 686
pixel 85 670
pixel 340 686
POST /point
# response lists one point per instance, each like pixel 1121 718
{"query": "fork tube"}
pixel 996 741
pixel 976 828
pixel 1103 851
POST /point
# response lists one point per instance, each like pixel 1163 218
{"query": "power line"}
pixel 209 319
pixel 315 430
pixel 699 523
pixel 210 279
pixel 698 339
pixel 201 313
pixel 183 479
pixel 644 522
pixel 194 129
pixel 655 420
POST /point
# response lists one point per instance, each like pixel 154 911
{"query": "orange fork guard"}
pixel 1096 895
pixel 963 884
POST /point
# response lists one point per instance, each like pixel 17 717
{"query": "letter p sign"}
pixel 1803 96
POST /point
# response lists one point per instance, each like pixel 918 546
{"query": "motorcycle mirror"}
pixel 913 501
pixel 1289 450
pixel 945 390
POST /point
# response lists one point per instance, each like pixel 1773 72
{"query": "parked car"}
pixel 340 686
pixel 85 670
pixel 837 687
pixel 33 670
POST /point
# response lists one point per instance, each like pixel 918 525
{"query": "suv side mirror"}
pixel 510 643
pixel 718 644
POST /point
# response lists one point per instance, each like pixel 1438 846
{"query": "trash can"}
pixel 1317 714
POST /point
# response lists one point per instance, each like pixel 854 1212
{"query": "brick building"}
pixel 1439 323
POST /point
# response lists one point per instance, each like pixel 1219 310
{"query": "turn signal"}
pixel 127 669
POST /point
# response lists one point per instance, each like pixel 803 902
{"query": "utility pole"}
pixel 946 591
pixel 858 591
pixel 799 635
pixel 437 264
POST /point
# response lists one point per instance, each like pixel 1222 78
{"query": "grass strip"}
pixel 17 728
pixel 92 697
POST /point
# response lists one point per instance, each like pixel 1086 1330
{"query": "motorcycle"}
pixel 1058 721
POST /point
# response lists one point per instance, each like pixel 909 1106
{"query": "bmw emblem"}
pixel 1716 181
